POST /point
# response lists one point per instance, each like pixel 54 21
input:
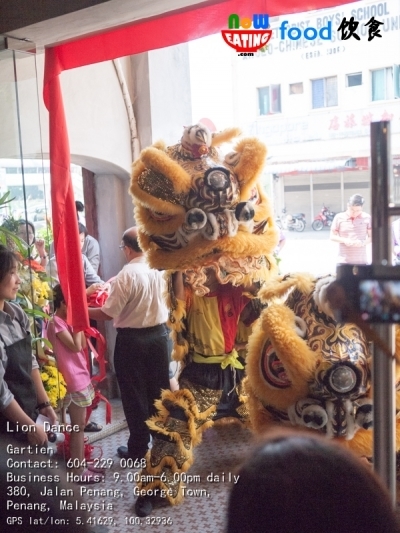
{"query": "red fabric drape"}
pixel 142 36
pixel 65 223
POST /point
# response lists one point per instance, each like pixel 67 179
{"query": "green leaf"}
pixel 44 341
pixel 37 313
pixel 4 200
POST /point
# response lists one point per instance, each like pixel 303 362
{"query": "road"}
pixel 309 251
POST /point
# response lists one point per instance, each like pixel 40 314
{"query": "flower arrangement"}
pixel 54 384
pixel 34 288
pixel 35 292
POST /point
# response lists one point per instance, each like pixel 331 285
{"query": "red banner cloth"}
pixel 67 247
pixel 165 30
pixel 174 28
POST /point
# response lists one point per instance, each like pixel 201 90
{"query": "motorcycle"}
pixel 324 218
pixel 296 222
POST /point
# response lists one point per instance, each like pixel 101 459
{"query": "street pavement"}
pixel 309 251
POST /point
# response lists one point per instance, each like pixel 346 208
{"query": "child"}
pixel 71 359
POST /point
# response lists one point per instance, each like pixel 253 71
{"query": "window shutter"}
pixel 396 80
pixel 263 100
pixel 275 98
pixel 378 84
pixel 331 91
pixel 317 93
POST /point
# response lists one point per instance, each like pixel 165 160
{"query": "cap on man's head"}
pixel 356 199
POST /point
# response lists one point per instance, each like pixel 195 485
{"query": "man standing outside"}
pixel 352 230
pixel 135 302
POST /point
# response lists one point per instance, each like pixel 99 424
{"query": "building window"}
pixel 324 92
pixel 269 100
pixel 386 83
pixel 354 79
pixel 296 88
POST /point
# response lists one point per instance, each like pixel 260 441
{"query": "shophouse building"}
pixel 312 102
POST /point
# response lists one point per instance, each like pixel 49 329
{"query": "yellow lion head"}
pixel 197 209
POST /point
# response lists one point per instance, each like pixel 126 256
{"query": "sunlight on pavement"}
pixel 309 251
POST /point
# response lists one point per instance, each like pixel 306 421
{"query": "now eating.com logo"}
pixel 241 38
pixel 246 40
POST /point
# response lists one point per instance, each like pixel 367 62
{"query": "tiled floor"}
pixel 216 460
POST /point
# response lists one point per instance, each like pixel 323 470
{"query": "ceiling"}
pixel 49 22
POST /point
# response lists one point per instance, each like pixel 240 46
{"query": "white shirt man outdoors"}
pixel 352 230
pixel 136 304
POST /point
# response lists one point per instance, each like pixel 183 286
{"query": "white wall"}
pixel 96 115
pixel 211 78
pixel 170 97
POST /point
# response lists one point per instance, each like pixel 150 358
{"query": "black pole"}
pixel 383 367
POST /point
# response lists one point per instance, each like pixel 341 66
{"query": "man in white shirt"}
pixel 136 304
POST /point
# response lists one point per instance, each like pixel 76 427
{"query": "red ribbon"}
pixel 99 355
pixel 98 298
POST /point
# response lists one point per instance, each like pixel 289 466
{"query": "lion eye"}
pixel 342 379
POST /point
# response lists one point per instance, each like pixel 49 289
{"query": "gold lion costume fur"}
pixel 307 370
pixel 203 214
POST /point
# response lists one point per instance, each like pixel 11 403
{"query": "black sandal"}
pixel 92 427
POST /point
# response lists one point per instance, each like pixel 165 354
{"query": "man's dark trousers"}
pixel 141 366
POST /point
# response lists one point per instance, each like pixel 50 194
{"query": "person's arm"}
pixel 91 249
pixel 335 236
pixel 97 313
pixel 363 242
pixel 36 434
pixel 89 273
pixel 93 288
pixel 118 296
pixel 42 397
pixel 178 286
pixel 72 341
pixel 41 250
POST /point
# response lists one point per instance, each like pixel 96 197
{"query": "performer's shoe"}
pixel 123 452
pixel 143 505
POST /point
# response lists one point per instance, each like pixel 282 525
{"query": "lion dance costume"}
pixel 204 215
pixel 307 370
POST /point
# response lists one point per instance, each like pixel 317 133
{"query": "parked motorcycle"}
pixel 323 219
pixel 296 222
